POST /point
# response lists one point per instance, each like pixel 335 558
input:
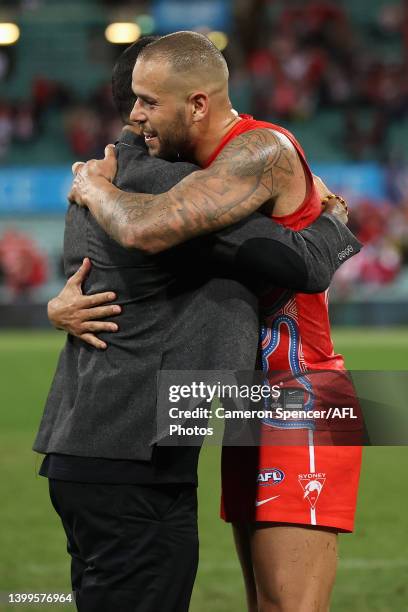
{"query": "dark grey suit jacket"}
pixel 174 315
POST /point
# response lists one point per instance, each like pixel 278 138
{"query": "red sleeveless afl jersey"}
pixel 312 485
pixel 297 337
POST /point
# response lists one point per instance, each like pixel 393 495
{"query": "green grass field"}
pixel 373 567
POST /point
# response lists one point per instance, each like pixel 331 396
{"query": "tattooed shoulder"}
pixel 260 152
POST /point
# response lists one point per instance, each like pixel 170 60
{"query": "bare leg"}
pixel 294 567
pixel 242 540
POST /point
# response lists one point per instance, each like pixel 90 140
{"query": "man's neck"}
pixel 213 135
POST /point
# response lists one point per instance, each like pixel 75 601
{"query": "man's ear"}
pixel 199 103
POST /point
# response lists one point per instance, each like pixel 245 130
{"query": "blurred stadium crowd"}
pixel 87 124
pixel 314 61
pixel 314 58
pixel 333 72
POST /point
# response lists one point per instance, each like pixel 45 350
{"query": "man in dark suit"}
pixel 128 507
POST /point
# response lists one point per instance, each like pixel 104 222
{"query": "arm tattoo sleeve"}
pixel 253 169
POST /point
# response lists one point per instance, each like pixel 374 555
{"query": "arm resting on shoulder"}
pixel 270 255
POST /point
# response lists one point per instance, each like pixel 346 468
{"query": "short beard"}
pixel 176 144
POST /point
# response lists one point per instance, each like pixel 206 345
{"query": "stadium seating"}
pixel 65 42
pixel 55 41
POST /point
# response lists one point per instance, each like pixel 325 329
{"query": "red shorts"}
pixel 305 485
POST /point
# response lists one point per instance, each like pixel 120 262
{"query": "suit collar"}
pixel 130 138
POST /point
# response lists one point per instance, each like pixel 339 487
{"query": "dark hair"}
pixel 123 96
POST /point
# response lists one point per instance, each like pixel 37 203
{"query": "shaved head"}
pixel 181 87
pixel 190 56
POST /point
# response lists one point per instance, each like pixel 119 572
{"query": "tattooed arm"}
pixel 255 168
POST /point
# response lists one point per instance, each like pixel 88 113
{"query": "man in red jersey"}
pixel 181 84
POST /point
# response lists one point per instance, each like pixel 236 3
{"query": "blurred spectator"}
pixel 390 17
pixel 46 95
pixel 365 141
pixel 383 229
pixel 83 130
pixel 23 266
pixel 311 19
pixel 6 127
pixel 397 181
pixel 24 123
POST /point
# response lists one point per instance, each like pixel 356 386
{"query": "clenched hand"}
pixel 335 205
pixel 84 173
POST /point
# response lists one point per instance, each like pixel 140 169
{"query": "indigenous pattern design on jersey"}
pixel 320 483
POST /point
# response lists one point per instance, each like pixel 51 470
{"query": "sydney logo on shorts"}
pixel 312 485
pixel 270 476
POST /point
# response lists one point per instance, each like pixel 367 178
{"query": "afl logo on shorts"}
pixel 270 476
